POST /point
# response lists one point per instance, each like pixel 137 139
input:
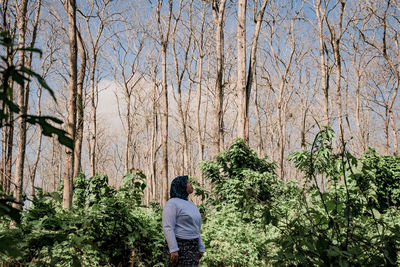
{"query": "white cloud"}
pixel 107 109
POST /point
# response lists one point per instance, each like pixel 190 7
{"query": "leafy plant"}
pixel 240 178
pixel 243 191
pixel 338 226
pixel 105 227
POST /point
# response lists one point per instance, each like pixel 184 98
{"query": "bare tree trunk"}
pixel 360 131
pixel 386 131
pixel 3 177
pixel 128 132
pixel 164 125
pixel 164 36
pixel 179 74
pixel 200 45
pixel 9 159
pixel 3 158
pixel 241 71
pixel 9 136
pixel 393 99
pixel 260 143
pixel 21 142
pixel 321 14
pixel 335 42
pixel 29 63
pixel 70 7
pixel 394 132
pixel 218 8
pixel 93 121
pixel 154 142
pixel 7 153
pixel 38 148
pixel 79 106
pixel 251 74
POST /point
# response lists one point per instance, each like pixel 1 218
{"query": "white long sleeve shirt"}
pixel 181 219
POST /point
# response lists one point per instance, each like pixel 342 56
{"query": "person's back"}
pixel 182 224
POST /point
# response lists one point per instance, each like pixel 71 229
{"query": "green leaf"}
pixel 376 213
pixel 49 130
pixel 29 49
pixel 56 196
pixel 40 80
pixel 18 77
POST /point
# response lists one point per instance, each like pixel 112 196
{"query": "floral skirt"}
pixel 188 253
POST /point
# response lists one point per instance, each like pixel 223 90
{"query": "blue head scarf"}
pixel 178 187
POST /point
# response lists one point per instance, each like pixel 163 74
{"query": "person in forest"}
pixel 181 221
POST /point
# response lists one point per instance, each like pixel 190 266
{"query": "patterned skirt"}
pixel 188 253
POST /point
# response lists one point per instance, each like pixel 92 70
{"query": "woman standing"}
pixel 181 225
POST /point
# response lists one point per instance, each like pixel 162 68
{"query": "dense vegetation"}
pixel 251 218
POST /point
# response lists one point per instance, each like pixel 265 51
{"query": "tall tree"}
pixel 8 130
pixel 320 11
pixel 336 34
pixel 70 8
pixel 242 127
pixel 181 67
pixel 22 8
pixel 199 40
pixel 218 10
pixel 27 90
pixel 164 33
pixel 245 84
pixel 79 104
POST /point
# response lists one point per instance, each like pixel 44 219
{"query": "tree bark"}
pixel 3 177
pixel 32 175
pixel 335 42
pixel 218 8
pixel 200 46
pixel 21 141
pixel 164 37
pixel 321 14
pixel 79 105
pixel 70 7
pixel 154 135
pixel 241 71
pixel 251 74
pixel 179 74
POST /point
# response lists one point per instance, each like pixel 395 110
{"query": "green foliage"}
pixel 254 219
pixel 382 174
pixel 105 227
pixel 244 188
pixel 240 178
pixel 250 217
pixel 8 246
pixel 340 226
pixel 133 187
pixel 230 241
pixel 6 208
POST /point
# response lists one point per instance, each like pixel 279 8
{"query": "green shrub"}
pixel 105 227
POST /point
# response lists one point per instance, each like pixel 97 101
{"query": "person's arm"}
pixel 201 246
pixel 169 221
